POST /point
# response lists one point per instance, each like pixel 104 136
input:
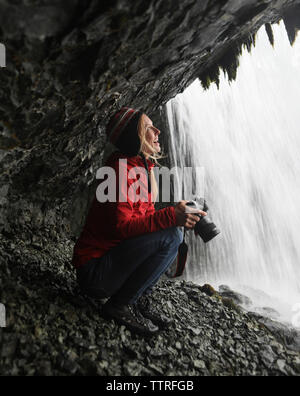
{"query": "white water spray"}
pixel 247 137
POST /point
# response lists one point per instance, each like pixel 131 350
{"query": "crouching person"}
pixel 125 246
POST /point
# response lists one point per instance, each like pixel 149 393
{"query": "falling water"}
pixel 246 136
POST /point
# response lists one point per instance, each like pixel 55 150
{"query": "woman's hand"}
pixel 187 220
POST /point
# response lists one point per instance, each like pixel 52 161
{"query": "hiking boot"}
pixel 129 316
pixel 149 311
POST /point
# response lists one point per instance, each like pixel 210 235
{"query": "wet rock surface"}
pixel 284 332
pixel 53 330
pixel 268 317
pixel 238 298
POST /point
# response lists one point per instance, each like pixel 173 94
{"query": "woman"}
pixel 126 245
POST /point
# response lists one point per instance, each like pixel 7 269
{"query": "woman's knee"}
pixel 89 282
pixel 176 235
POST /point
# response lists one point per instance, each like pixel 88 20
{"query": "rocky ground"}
pixel 53 330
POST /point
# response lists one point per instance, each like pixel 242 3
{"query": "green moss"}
pixel 212 75
pixel 230 61
pixel 248 43
pixel 229 303
pixel 209 290
pixel 205 81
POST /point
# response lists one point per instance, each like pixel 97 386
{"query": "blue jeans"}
pixel 131 268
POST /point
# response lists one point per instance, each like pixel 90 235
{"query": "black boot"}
pixel 129 316
pixel 149 311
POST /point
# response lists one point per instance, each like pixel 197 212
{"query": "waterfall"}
pixel 246 136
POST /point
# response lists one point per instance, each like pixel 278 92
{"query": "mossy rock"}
pixel 229 303
pixel 209 290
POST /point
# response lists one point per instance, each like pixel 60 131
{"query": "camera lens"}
pixel 206 229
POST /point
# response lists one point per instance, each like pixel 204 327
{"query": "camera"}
pixel 205 228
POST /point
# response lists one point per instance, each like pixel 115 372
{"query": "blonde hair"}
pixel 145 148
pixel 145 145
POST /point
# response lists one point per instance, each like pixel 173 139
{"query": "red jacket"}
pixel 109 223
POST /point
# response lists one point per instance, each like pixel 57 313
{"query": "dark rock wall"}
pixel 70 64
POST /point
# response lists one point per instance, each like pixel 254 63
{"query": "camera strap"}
pixel 181 258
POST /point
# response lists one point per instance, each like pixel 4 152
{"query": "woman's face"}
pixel 152 134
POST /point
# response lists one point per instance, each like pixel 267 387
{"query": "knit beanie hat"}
pixel 122 130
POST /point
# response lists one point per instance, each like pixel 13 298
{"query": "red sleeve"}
pixel 125 225
pixel 151 209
